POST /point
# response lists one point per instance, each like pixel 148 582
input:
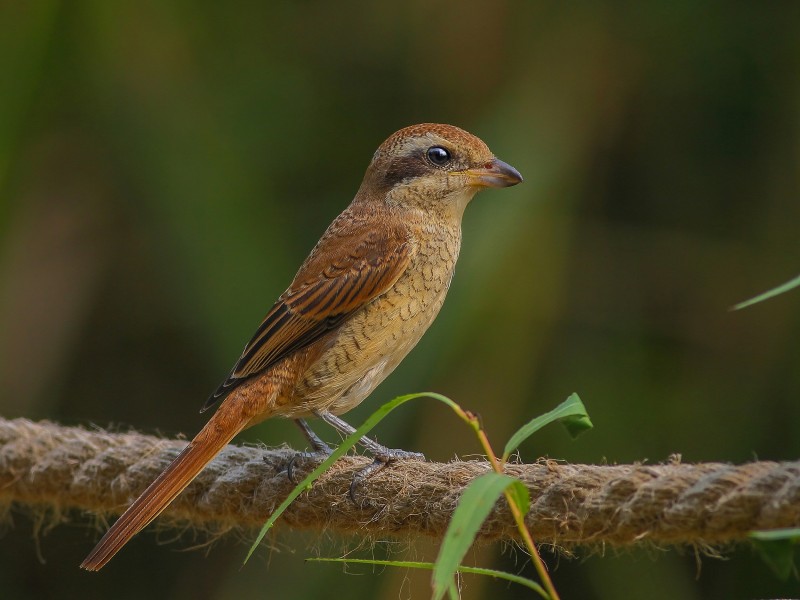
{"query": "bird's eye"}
pixel 438 156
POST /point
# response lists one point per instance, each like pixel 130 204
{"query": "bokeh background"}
pixel 166 166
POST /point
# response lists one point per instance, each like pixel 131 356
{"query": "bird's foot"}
pixel 383 455
pixel 301 457
pixel 393 454
pixel 382 459
pixel 320 453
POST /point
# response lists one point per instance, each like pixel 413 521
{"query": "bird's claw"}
pixel 392 455
pixel 316 456
pixel 381 460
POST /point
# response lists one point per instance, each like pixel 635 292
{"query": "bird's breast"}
pixel 371 343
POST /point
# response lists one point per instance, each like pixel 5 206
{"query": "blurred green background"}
pixel 166 166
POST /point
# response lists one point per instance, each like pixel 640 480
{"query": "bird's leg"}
pixel 321 449
pixel 315 441
pixel 383 455
pixel 376 449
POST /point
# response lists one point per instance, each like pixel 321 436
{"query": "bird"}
pixel 359 303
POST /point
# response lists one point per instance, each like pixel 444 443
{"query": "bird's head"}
pixel 434 167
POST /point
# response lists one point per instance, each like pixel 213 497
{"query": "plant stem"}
pixel 538 563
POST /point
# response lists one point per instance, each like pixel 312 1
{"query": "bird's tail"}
pixel 220 430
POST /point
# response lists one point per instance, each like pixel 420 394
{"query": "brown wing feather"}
pixel 346 270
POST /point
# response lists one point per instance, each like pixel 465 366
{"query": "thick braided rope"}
pixel 47 466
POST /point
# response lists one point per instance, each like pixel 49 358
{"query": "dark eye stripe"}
pixel 406 168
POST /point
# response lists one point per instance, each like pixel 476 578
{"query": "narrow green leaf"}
pixel 474 506
pixel 520 496
pixel 776 548
pixel 572 414
pixel 770 535
pixel 346 444
pixel 791 284
pixel 430 566
pixel 452 590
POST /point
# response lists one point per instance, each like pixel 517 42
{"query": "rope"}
pixel 49 467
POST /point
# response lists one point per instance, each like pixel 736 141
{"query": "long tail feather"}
pixel 220 430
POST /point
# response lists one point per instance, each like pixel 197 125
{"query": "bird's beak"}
pixel 495 174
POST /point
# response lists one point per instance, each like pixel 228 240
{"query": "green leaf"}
pixel 473 507
pixel 452 591
pixel 346 444
pixel 769 535
pixel 430 566
pixel 791 284
pixel 572 414
pixel 520 496
pixel 776 548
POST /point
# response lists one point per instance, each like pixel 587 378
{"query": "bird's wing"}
pixel 347 270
